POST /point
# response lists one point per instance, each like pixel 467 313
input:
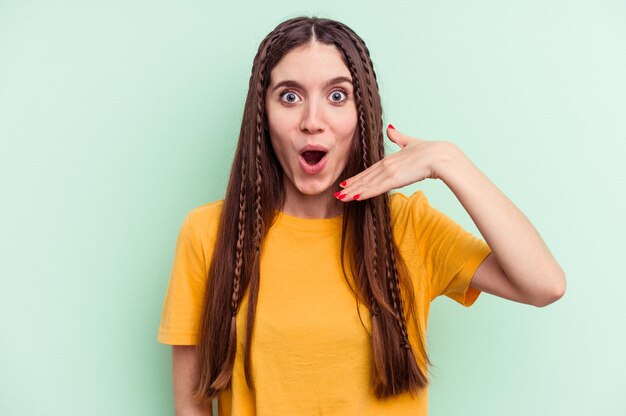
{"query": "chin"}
pixel 313 192
pixel 312 189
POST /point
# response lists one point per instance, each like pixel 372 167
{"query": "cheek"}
pixel 278 146
pixel 346 129
pixel 348 123
pixel 279 128
pixel 345 146
pixel 273 125
pixel 346 132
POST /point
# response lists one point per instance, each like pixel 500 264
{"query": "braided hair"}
pixel 255 193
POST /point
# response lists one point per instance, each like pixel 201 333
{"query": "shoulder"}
pixel 405 213
pixel 204 219
pixel 403 207
pixel 207 211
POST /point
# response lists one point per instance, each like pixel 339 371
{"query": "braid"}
pixel 391 281
pixel 240 238
pixel 258 204
pixel 375 309
pixel 236 263
pixel 224 376
pixel 392 274
pixel 364 53
pixel 242 199
pixel 414 377
pixel 223 379
pixel 362 132
pixel 258 221
pixel 391 268
pixel 359 101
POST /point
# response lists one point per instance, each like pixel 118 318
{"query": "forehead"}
pixel 310 64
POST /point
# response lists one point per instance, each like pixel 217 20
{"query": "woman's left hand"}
pixel 414 162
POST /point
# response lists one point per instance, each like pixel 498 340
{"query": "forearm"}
pixel 184 372
pixel 515 242
pixel 193 410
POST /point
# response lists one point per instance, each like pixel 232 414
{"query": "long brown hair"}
pixel 254 195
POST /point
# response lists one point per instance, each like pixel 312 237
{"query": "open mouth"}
pixel 312 157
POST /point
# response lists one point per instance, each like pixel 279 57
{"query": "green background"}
pixel 117 118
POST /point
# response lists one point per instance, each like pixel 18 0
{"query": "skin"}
pixel 311 114
pixel 520 267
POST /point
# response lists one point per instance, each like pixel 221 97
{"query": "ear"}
pixel 397 137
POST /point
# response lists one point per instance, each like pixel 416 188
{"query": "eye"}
pixel 336 95
pixel 290 96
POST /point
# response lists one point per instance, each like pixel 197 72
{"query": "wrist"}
pixel 447 162
pixel 458 172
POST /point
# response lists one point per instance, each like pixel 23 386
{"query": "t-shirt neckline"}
pixel 308 224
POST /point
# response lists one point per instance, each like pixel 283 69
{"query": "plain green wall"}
pixel 118 117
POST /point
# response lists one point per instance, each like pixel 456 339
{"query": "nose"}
pixel 312 117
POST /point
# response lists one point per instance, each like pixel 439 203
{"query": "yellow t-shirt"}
pixel 310 354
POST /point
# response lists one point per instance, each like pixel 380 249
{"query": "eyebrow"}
pixel 296 84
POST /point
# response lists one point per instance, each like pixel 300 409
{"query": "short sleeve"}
pixel 185 292
pixel 451 255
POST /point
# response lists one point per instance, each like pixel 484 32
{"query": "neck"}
pixel 322 205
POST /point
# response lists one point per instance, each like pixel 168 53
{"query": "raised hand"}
pixel 414 162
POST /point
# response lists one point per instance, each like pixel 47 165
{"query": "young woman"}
pixel 306 291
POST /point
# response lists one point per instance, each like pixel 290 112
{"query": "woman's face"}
pixel 312 117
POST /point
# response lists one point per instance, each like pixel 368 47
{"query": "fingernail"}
pixel 391 126
pixel 342 196
pixel 343 183
pixel 336 194
pixel 355 197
